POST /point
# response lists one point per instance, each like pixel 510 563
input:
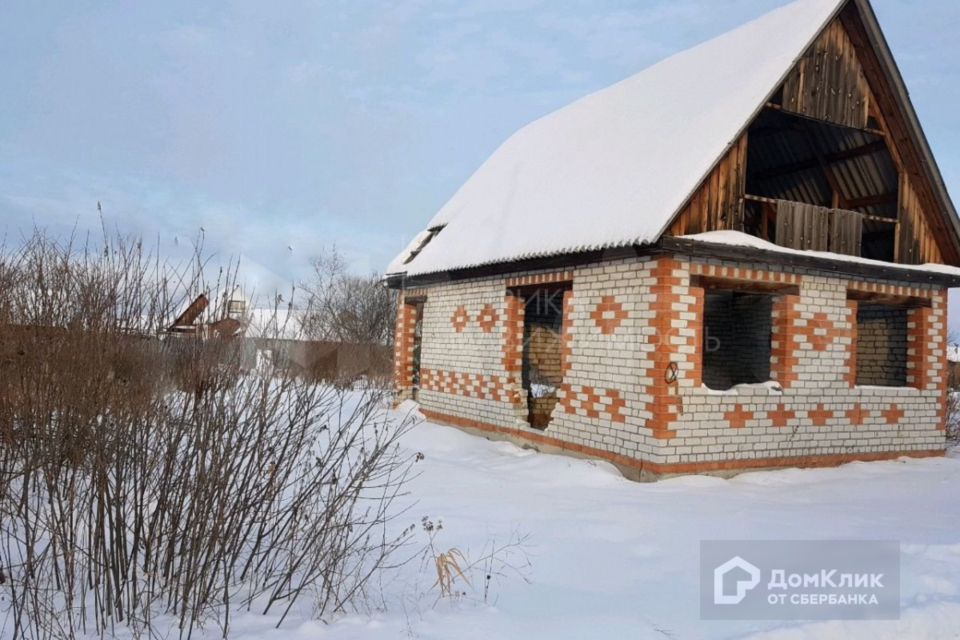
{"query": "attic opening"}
pixel 542 367
pixel 737 335
pixel 818 186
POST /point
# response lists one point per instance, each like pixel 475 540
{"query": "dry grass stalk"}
pixel 448 566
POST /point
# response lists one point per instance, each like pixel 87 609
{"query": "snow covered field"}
pixel 615 559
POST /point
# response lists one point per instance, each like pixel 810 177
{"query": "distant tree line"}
pixel 346 307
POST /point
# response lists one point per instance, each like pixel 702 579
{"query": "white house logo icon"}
pixel 750 580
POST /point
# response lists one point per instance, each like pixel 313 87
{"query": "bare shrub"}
pixel 146 474
pixel 348 308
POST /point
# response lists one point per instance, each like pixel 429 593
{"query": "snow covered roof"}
pixel 613 168
pixel 276 323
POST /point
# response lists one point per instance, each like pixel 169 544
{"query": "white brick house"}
pixel 737 258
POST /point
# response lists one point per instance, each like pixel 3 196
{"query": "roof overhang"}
pixel 693 247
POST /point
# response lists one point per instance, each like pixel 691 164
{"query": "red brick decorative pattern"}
pixel 696 374
pixel 541 278
pixel 926 341
pixel 566 343
pixel 681 467
pixel 888 289
pixel 780 417
pixel 738 417
pixel 851 375
pixel 739 273
pixel 665 407
pixel 513 334
pixel 460 319
pixel 487 319
pixel 919 332
pixel 893 415
pixel 785 315
pixel 935 347
pixel 820 331
pixel 858 415
pixel 606 404
pixel 608 315
pixel 470 385
pixel 820 416
pixel 403 346
pixel 513 346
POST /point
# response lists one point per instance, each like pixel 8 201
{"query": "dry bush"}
pixel 144 474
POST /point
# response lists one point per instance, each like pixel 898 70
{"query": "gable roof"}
pixel 613 168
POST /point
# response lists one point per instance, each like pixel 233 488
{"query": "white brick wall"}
pixel 619 363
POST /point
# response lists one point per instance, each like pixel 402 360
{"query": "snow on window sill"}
pixel 771 386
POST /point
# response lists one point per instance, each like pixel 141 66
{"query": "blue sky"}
pixel 282 127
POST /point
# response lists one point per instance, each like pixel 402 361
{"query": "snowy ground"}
pixel 616 559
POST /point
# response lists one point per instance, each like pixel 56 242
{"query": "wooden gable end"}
pixel 925 222
pixel 840 81
pixel 718 202
pixel 916 242
pixel 828 82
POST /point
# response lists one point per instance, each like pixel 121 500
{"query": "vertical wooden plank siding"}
pixel 903 147
pixel 916 244
pixel 846 232
pixel 828 82
pixel 717 204
pixel 812 228
pixel 803 226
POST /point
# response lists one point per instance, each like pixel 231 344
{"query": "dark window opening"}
pixel 879 241
pixel 759 219
pixel 737 330
pixel 881 345
pixel 417 346
pixel 542 371
pixel 846 176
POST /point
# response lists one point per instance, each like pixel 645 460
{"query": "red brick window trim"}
pixel 530 307
pixel 750 277
pixel 735 333
pixel 892 341
pixel 556 277
pixel 406 343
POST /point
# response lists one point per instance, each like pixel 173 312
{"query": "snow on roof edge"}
pixel 636 242
pixel 740 239
pixel 730 238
